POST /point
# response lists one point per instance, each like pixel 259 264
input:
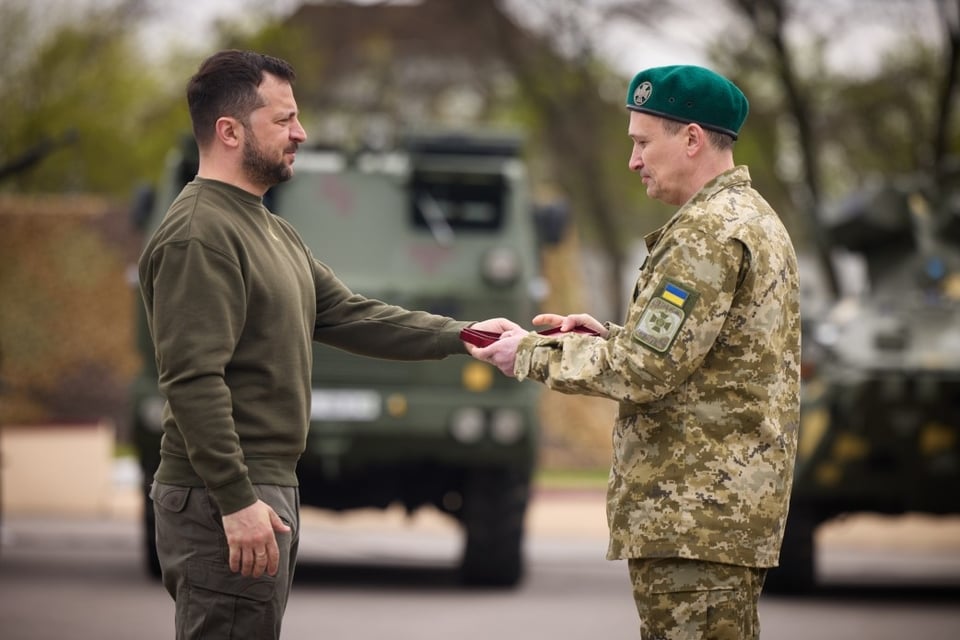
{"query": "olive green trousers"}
pixel 212 601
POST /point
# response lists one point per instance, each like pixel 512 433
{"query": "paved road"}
pixel 375 576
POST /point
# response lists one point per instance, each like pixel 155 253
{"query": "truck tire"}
pixel 495 503
pixel 797 571
pixel 151 561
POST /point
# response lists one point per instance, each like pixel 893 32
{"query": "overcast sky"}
pixel 187 21
pixel 857 46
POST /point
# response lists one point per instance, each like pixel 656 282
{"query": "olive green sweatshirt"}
pixel 234 299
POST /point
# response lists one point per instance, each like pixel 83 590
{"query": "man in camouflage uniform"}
pixel 705 369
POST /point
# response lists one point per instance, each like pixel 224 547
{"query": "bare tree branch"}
pixel 572 112
pixel 769 19
pixel 949 11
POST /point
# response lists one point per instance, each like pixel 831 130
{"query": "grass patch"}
pixel 124 450
pixel 571 478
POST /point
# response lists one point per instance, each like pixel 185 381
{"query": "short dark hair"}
pixel 226 85
pixel 720 141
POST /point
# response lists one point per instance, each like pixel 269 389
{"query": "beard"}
pixel 259 168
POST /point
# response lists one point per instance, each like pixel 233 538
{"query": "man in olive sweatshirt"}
pixel 234 299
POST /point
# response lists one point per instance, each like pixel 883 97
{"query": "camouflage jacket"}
pixel 706 371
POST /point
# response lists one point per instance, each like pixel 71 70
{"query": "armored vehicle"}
pixel 441 222
pixel 880 427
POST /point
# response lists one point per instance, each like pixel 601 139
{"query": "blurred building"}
pixel 437 62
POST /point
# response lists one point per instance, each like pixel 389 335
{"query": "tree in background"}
pixel 84 109
pixel 816 130
pixel 87 108
pixel 367 72
pixel 85 119
pixel 820 127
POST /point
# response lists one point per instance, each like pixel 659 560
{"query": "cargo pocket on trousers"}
pixel 223 603
pixel 700 607
pixel 170 497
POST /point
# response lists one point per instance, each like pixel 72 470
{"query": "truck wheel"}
pixel 493 513
pixel 152 562
pixel 797 571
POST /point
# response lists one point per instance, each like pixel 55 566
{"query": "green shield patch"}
pixel 663 316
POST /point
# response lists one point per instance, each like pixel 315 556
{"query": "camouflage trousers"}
pixel 680 599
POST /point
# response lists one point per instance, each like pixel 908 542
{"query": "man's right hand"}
pixel 494 325
pixel 252 541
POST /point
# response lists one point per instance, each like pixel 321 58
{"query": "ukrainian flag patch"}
pixel 673 294
pixel 663 316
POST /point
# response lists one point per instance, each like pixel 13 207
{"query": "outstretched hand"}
pixel 570 322
pixel 503 353
pixel 493 325
pixel 497 325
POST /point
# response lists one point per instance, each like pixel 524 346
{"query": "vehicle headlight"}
pixel 151 413
pixel 468 425
pixel 501 266
pixel 539 289
pixel 506 427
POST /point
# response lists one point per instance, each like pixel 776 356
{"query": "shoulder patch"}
pixel 663 316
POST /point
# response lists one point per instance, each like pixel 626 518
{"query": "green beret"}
pixel 689 94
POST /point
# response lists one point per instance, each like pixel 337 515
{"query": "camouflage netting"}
pixel 66 310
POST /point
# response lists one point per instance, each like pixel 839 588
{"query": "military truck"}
pixel 441 222
pixel 880 427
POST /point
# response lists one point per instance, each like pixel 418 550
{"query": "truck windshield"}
pixel 445 202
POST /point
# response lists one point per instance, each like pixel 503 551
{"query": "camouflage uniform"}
pixel 706 371
pixel 680 599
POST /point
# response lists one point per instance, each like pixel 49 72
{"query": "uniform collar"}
pixel 737 175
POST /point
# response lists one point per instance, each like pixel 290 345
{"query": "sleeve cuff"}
pixel 533 357
pixel 612 330
pixel 234 496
